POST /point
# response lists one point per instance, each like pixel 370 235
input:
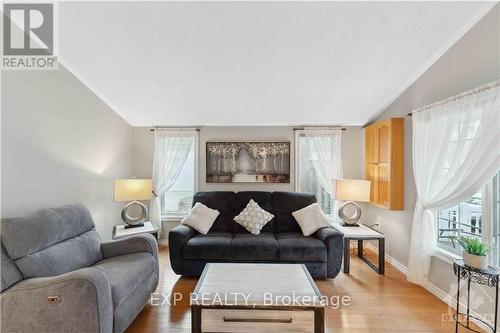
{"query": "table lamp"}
pixel 351 190
pixel 133 190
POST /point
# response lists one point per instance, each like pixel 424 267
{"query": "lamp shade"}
pixel 353 190
pixel 133 189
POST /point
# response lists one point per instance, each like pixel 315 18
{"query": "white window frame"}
pixel 177 218
pixel 488 217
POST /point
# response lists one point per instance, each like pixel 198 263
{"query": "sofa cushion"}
pixel 215 245
pixel 28 234
pixel 295 247
pixel 225 203
pixel 263 199
pixel 126 273
pixel 249 247
pixel 283 204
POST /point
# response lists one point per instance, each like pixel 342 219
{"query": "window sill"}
pixel 446 256
pixel 170 219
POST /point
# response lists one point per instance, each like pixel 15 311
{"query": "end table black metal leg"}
pixel 496 310
pixel 458 301
pixel 381 255
pixel 346 254
pixel 468 301
pixel 360 248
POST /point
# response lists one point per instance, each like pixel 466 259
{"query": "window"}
pixel 465 219
pixel 476 217
pixel 324 153
pixel 176 202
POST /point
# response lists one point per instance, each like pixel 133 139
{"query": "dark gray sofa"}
pixel 57 275
pixel 280 241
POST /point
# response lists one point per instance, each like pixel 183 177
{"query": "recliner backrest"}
pixel 10 274
pixel 225 203
pixel 280 204
pixel 52 241
pixel 284 204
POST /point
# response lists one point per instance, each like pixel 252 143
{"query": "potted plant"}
pixel 475 252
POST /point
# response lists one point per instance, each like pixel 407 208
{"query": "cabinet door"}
pixel 371 171
pixel 384 142
pixel 371 150
pixel 384 184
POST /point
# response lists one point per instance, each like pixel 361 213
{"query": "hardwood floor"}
pixel 379 303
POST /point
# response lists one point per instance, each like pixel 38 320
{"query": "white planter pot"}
pixel 478 262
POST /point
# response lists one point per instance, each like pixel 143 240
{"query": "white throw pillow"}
pixel 253 218
pixel 200 218
pixel 310 219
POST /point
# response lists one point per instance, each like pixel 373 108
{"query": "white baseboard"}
pixel 399 266
pixel 436 291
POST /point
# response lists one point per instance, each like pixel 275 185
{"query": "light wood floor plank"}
pixel 379 303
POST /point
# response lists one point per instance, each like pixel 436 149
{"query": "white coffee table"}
pixel 360 234
pixel 233 297
pixel 119 231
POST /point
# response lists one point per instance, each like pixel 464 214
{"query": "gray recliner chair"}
pixel 57 276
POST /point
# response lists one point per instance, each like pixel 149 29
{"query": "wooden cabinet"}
pixel 384 163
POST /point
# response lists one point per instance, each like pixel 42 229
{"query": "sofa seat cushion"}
pixel 126 273
pixel 295 247
pixel 249 247
pixel 212 246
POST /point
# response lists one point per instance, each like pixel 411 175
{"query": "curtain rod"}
pixel 197 129
pixel 319 128
pixel 174 129
pixel 470 92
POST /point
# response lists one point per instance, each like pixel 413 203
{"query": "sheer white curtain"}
pixel 171 151
pixel 456 151
pixel 325 149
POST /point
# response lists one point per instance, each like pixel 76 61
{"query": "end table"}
pixel 487 277
pixel 119 231
pixel 361 233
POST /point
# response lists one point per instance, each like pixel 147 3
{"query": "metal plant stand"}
pixel 487 277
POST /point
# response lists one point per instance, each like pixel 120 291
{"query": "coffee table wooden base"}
pixel 258 320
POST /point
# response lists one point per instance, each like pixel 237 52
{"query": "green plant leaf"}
pixel 474 245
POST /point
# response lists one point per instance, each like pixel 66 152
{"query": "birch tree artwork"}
pixel 248 162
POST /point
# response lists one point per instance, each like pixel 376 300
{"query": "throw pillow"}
pixel 310 219
pixel 253 217
pixel 200 218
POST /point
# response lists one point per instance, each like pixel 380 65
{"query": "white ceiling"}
pixel 242 63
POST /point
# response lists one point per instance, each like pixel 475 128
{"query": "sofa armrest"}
pixel 334 242
pixel 133 244
pixel 76 301
pixel 177 238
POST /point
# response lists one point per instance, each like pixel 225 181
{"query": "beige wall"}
pixel 60 144
pixel 472 61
